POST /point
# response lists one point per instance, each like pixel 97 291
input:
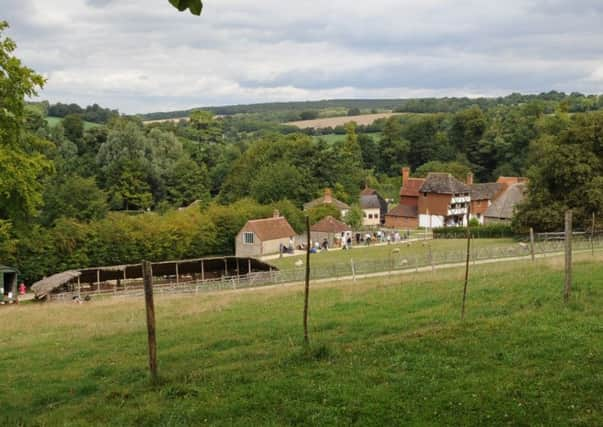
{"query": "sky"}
pixel 143 55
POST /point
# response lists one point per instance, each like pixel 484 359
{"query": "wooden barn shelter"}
pixel 8 284
pixel 120 277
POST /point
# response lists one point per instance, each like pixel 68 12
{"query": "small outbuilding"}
pixel 503 208
pixel 331 229
pixel 8 284
pixel 374 207
pixel 266 236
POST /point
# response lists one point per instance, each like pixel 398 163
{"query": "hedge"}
pixel 478 232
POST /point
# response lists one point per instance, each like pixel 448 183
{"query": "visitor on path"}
pixel 22 289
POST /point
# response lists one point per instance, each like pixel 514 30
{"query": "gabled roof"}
pixel 412 187
pixel 330 225
pixel 404 211
pixel 504 205
pixel 443 183
pixel 486 191
pixel 270 228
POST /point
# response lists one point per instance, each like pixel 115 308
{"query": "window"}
pixel 248 238
pixel 424 194
pixel 370 216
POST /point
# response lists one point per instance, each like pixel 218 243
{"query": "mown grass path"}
pixel 384 351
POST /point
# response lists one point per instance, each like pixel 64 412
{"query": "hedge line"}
pixel 477 232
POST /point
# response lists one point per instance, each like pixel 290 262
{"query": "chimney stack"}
pixel 276 214
pixel 405 175
pixel 328 196
pixel 469 178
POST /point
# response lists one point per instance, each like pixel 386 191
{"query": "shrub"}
pixel 479 232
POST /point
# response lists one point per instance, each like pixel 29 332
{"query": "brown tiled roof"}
pixel 270 228
pixel 404 211
pixel 504 205
pixel 330 225
pixel 412 187
pixel 443 183
pixel 486 191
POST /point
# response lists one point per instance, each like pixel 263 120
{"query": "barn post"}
pixel 177 274
pixel 307 286
pixel 466 267
pixel 225 266
pixel 97 281
pixel 248 266
pixel 147 275
pixel 202 271
pixel 568 256
pixel 532 243
pixel 79 287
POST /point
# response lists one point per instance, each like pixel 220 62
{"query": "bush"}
pixel 477 232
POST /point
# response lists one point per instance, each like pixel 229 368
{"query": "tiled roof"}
pixel 404 211
pixel 270 228
pixel 330 225
pixel 504 205
pixel 443 183
pixel 412 187
pixel 486 191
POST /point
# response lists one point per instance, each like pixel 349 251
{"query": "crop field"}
pixel 387 351
pixel 363 119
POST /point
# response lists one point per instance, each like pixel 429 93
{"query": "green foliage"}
pixel 308 115
pixel 319 212
pixel 565 174
pixel 353 217
pixel 456 169
pixel 21 163
pixel 194 6
pixel 74 127
pixel 73 197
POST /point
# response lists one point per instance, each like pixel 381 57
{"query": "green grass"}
pixel 384 352
pixel 332 138
pixel 53 121
pixel 381 252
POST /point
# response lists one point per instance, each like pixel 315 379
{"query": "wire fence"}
pixel 396 262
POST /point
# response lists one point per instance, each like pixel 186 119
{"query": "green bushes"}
pixel 477 232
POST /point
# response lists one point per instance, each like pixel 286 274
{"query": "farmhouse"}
pixel 328 199
pixel 443 201
pixel 261 237
pixel 8 284
pixel 373 206
pixel 331 229
pixel 503 208
pixel 405 214
pixel 482 196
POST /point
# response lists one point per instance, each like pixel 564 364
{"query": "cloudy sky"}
pixel 144 55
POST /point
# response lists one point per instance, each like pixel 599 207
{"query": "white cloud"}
pixel 142 55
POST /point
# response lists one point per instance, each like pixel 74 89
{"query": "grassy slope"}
pixel 382 354
pixel 381 252
pixel 53 121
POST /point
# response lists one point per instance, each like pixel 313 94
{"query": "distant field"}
pixel 53 121
pixel 363 119
pixel 175 119
pixel 386 351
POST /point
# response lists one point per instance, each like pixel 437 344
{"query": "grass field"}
pixel 53 121
pixel 383 352
pixel 363 119
pixel 379 252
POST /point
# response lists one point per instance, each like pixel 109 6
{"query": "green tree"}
pixel 74 127
pixel 187 182
pixel 393 148
pixel 21 163
pixel 456 169
pixel 73 197
pixel 319 212
pixel 194 6
pixel 353 217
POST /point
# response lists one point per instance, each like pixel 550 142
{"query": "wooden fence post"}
pixel 532 243
pixel 568 255
pixel 307 286
pixel 147 275
pixel 466 268
pixel 592 236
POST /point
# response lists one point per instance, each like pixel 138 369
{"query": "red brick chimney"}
pixel 405 175
pixel 328 198
pixel 469 178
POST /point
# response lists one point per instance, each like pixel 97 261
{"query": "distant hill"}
pixel 291 111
